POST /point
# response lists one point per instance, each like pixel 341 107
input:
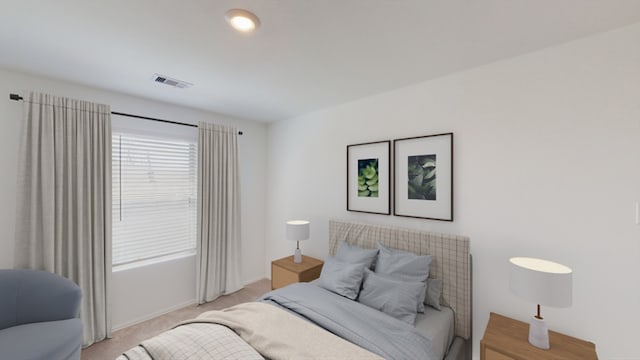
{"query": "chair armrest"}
pixel 36 296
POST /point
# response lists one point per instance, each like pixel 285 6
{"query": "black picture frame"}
pixel 423 177
pixel 369 197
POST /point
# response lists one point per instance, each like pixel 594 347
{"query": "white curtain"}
pixel 218 212
pixel 64 200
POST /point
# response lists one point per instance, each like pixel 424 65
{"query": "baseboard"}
pixel 155 314
pixel 247 282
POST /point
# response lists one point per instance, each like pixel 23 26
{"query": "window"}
pixel 154 197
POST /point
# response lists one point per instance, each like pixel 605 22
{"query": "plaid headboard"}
pixel 451 259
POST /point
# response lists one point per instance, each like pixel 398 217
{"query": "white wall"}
pixel 147 291
pixel 139 292
pixel 547 164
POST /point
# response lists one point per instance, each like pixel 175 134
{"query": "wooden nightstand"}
pixel 284 271
pixel 507 339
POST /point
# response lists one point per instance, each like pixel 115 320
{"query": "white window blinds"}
pixel 154 197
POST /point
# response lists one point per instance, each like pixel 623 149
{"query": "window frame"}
pixel 155 131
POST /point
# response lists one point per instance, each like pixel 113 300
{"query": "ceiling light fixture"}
pixel 242 20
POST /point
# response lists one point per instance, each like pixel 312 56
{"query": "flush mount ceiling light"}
pixel 242 20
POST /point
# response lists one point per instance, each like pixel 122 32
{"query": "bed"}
pixel 325 319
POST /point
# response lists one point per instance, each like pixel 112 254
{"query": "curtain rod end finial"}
pixel 15 97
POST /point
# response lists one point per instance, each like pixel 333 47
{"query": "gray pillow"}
pixel 404 265
pixel 394 297
pixel 341 278
pixel 434 293
pixel 352 254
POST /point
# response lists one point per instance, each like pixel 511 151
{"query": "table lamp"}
pixel 297 230
pixel 542 282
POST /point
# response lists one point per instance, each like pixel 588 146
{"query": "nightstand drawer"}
pixel 490 354
pixel 507 339
pixel 281 277
pixel 285 272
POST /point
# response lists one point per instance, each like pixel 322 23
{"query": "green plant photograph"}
pixel 422 177
pixel 368 178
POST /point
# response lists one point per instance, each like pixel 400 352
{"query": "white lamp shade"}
pixel 297 230
pixel 540 281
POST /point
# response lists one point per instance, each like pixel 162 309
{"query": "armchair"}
pixel 39 316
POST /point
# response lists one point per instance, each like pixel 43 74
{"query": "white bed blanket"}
pixel 271 331
pixel 199 341
pixel 277 334
pixel 195 341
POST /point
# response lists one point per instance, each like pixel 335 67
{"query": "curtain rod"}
pixel 17 97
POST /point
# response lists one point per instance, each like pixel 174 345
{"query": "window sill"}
pixel 153 261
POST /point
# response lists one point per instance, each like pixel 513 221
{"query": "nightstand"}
pixel 507 339
pixel 284 271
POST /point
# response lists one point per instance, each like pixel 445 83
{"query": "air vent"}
pixel 162 79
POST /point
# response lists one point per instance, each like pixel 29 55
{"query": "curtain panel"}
pixel 64 200
pixel 218 263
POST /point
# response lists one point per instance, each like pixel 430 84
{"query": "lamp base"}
pixel 538 333
pixel 297 256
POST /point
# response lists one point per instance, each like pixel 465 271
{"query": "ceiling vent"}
pixel 162 79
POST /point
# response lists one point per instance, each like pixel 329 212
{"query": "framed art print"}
pixel 423 175
pixel 368 177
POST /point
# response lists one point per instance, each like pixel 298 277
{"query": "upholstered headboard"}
pixel 451 259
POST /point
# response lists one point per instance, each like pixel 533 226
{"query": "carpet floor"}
pixel 126 338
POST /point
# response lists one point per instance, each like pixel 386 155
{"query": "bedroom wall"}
pixel 547 164
pixel 141 292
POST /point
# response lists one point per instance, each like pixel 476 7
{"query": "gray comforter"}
pixel 357 323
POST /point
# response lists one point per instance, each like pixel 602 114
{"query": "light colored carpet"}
pixel 131 336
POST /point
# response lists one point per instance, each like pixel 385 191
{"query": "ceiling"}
pixel 307 54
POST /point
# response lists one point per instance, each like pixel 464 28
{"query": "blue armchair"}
pixel 39 316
